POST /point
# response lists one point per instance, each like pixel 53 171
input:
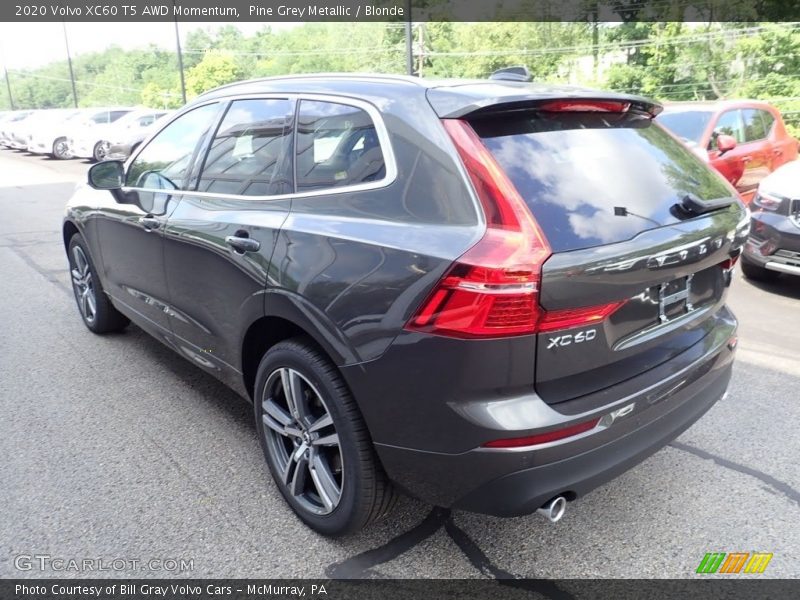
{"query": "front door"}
pixel 131 234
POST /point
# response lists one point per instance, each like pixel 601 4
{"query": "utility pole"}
pixel 180 56
pixel 69 62
pixel 409 42
pixel 421 62
pixel 8 87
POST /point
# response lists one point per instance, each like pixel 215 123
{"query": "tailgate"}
pixel 639 227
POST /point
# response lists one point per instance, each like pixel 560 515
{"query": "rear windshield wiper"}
pixel 696 206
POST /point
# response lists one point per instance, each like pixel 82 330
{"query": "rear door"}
pixel 606 190
pixel 219 240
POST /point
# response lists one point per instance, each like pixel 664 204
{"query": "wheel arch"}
pixel 284 321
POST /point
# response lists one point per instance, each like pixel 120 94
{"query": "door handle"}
pixel 243 244
pixel 747 159
pixel 777 151
pixel 149 223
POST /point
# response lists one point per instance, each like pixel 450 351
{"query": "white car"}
pixel 94 142
pixel 45 133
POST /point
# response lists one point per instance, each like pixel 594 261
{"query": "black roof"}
pixel 450 98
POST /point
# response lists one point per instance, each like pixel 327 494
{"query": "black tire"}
pixel 365 493
pixel 96 310
pixel 757 273
pixel 60 149
pixel 99 152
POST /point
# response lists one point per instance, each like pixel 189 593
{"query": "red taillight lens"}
pixel 543 438
pixel 493 289
pixel 575 317
pixel 577 105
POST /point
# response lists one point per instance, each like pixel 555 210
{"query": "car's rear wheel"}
pixel 100 151
pixel 96 310
pixel 61 149
pixel 316 443
pixel 756 272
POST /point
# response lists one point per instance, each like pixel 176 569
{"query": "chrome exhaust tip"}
pixel 554 509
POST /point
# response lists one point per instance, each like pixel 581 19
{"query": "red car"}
pixel 745 140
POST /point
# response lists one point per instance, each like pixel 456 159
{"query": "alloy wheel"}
pixel 302 441
pixel 61 149
pixel 83 284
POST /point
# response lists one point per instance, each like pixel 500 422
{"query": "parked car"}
pixel 46 134
pixel 14 131
pixel 124 140
pixel 773 246
pixel 745 139
pixel 494 296
pixel 92 142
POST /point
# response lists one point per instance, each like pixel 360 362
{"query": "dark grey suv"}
pixel 493 296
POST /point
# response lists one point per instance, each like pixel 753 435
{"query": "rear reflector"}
pixel 542 438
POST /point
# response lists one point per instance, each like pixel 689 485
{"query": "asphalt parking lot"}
pixel 114 447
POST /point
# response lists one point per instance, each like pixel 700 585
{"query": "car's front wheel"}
pixel 96 310
pixel 316 443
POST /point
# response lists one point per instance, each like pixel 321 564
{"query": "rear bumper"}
pixel 778 236
pixel 511 482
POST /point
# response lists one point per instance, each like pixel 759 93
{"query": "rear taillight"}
pixel 493 289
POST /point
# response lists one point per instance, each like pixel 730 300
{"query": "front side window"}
pixel 336 145
pixel 249 154
pixel 730 123
pixel 166 160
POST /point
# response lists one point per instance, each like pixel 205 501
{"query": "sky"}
pixel 26 45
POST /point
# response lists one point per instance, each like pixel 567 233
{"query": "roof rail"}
pixel 376 76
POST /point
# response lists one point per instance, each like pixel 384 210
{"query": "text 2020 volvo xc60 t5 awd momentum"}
pixel 493 296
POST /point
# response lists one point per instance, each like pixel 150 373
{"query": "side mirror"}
pixel 725 143
pixel 107 175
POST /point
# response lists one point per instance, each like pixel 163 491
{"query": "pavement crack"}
pixel 359 565
pixel 483 563
pixel 48 275
pixel 776 484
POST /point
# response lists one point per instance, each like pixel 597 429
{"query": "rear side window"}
pixel 249 154
pixel 337 145
pixel 596 178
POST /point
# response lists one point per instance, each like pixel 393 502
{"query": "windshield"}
pixel 688 124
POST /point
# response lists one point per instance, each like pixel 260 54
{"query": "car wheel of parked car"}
pixel 61 149
pixel 756 272
pixel 96 309
pixel 100 151
pixel 316 443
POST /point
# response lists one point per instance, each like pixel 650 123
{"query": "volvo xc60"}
pixel 493 296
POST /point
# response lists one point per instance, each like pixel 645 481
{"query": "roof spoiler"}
pixel 490 97
pixel 516 73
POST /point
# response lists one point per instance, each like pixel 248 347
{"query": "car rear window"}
pixel 596 178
